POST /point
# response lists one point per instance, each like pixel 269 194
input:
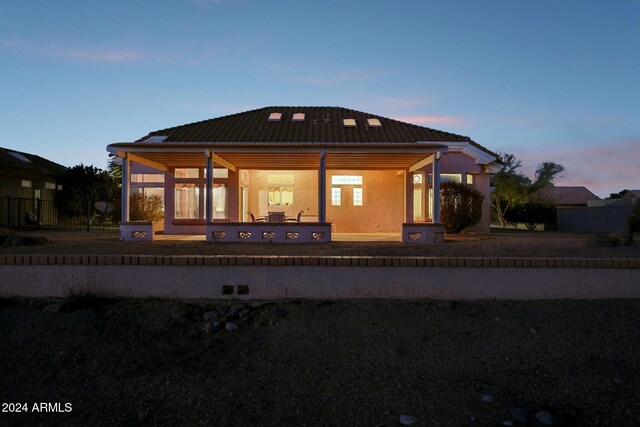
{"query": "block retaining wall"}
pixel 313 277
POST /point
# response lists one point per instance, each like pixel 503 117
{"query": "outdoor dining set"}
pixel 276 217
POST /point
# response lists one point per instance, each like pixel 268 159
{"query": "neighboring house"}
pixel 601 216
pixel 347 170
pixel 27 176
pixel 564 196
pixel 27 182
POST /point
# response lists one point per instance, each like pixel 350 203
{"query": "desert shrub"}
pixel 531 214
pixel 144 207
pixel 634 218
pixel 460 206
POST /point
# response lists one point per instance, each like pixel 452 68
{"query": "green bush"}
pixel 531 214
pixel 634 218
pixel 460 206
pixel 145 208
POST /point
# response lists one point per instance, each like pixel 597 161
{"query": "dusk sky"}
pixel 544 80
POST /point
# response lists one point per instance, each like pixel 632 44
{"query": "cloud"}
pixel 73 53
pixel 603 169
pixel 421 120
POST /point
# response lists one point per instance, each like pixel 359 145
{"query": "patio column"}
pixel 322 187
pixel 408 197
pixel 436 188
pixel 209 188
pixel 124 212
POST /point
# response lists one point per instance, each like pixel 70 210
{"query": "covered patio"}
pixel 402 160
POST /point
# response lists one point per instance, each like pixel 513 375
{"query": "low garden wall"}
pixel 285 277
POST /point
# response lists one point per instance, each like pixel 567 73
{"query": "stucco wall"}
pixel 264 277
pixel 601 219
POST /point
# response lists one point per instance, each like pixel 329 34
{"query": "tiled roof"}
pixel 29 162
pixel 321 124
pixel 565 196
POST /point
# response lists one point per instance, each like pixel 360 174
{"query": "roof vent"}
pixel 298 117
pixel 374 123
pixel 275 117
pixel 19 156
pixel 349 123
pixel 156 138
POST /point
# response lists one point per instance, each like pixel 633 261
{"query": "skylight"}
pixel 275 117
pixel 374 123
pixel 349 123
pixel 298 117
pixel 156 138
pixel 19 156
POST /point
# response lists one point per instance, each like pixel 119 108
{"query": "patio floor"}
pixel 336 237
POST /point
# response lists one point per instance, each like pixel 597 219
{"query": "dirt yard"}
pixel 153 362
pixel 500 244
pixel 95 361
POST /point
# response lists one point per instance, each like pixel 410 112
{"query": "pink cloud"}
pixel 603 169
pixel 421 120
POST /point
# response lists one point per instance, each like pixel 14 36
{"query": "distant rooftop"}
pixel 565 195
pixel 14 159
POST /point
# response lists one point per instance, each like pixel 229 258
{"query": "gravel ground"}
pixel 508 243
pixel 151 362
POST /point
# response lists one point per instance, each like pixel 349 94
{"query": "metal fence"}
pixel 19 213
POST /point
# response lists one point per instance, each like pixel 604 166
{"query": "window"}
pixel 156 138
pixel 218 173
pixel 357 196
pixel 336 196
pixel 298 117
pixel 349 123
pixel 275 117
pixel 187 201
pixel 447 177
pixel 346 180
pixel 470 178
pixel 19 156
pixel 147 177
pixel 187 173
pixel 26 183
pixel 219 201
pixel 280 196
pixel 49 185
pixel 59 187
pixel 374 123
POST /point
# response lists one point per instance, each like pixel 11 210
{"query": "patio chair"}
pixel 295 219
pixel 253 218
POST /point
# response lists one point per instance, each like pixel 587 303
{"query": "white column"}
pixel 408 198
pixel 208 192
pixel 124 212
pixel 436 188
pixel 322 187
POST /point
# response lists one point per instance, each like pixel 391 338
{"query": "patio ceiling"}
pixel 286 160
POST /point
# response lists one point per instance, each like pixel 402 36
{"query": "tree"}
pixel 512 188
pixel 82 186
pixel 460 206
pixel 634 219
pixel 618 195
pixel 546 174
